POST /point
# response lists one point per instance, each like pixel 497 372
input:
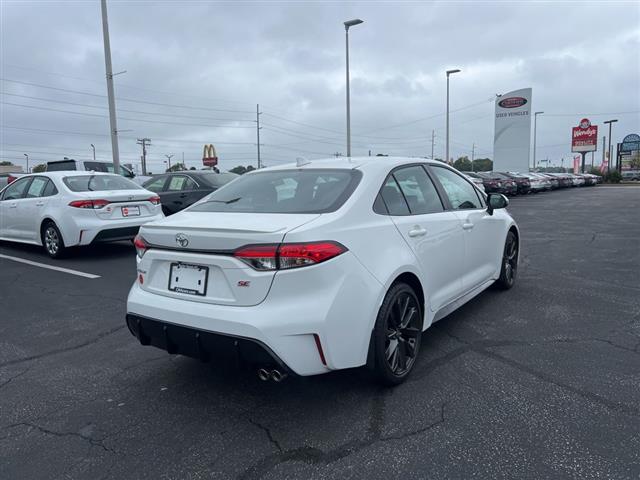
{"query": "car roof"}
pixel 361 163
pixel 67 173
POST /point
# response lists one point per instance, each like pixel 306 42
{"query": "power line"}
pixel 124 110
pixel 79 92
pixel 122 118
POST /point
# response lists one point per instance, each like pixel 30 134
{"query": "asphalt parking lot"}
pixel 542 381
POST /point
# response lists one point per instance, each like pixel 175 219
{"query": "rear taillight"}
pixel 155 200
pixel 94 204
pixel 288 255
pixel 141 245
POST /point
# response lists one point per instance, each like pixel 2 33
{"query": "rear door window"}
pixel 418 189
pixel 156 185
pixel 37 187
pixel 50 189
pixel 63 166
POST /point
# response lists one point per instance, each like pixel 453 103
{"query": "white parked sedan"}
pixel 59 210
pixel 320 266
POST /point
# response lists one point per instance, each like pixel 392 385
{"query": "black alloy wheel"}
pixel 397 334
pixel 509 268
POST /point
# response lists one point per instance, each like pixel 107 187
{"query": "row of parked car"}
pixel 516 183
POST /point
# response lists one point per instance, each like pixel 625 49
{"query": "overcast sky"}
pixel 196 70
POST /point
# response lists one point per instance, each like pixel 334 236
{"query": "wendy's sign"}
pixel 584 137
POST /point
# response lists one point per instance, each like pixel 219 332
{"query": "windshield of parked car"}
pixel 284 191
pixel 98 183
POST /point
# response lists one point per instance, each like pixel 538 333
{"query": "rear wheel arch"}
pixel 45 221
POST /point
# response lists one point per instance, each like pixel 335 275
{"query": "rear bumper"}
pixel 201 344
pixel 86 230
pixel 336 301
pixel 113 234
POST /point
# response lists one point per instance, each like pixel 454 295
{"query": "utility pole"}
pixel 433 140
pixel 473 153
pixel 93 147
pixel 110 93
pixel 258 127
pixel 446 147
pixel 169 160
pixel 604 145
pixel 145 142
pixel 347 25
pixel 369 152
pixel 27 161
pixel 610 122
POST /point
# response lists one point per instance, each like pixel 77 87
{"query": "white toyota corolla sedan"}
pixel 319 266
pixel 59 210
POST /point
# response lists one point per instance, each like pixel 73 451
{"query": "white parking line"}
pixel 50 267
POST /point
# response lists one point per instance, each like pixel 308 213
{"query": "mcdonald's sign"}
pixel 209 157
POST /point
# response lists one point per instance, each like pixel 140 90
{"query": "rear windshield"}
pixel 217 179
pixel 97 183
pixel 62 166
pixel 284 191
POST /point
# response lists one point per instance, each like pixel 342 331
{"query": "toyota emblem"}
pixel 182 240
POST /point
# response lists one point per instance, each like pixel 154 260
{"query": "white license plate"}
pixel 130 211
pixel 187 278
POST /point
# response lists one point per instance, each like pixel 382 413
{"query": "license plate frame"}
pixel 202 271
pixel 133 211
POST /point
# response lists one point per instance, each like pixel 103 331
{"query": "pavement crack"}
pixel 46 431
pixel 312 455
pixel 7 382
pixel 95 339
pixel 270 436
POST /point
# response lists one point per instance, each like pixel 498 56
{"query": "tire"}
pixel 509 263
pixel 397 334
pixel 52 240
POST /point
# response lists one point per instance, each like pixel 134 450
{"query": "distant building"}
pixel 11 169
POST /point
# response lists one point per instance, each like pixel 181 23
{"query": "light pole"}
pixel 609 149
pixel 347 24
pixel 27 161
pixel 446 148
pixel 169 160
pixel 535 125
pixel 93 147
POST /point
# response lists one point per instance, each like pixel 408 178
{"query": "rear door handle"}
pixel 417 231
pixel 39 204
pixel 467 225
pixel 13 205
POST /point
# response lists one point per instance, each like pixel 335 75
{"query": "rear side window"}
pixel 63 166
pixel 95 183
pixel 392 198
pixel 284 191
pixel 49 190
pixel 462 195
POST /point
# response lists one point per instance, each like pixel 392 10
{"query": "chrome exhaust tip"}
pixel 278 376
pixel 263 374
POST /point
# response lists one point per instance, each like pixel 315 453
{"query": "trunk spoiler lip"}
pixel 162 226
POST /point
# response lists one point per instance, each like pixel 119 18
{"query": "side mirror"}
pixel 495 201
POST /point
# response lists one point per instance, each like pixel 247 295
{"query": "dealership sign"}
pixel 584 137
pixel 630 143
pixel 512 134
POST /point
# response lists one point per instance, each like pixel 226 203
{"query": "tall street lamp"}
pixel 169 159
pixel 446 149
pixel 28 159
pixel 609 149
pixel 94 151
pixel 347 24
pixel 535 123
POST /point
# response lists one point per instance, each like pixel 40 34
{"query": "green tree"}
pixel 6 164
pixel 42 167
pixel 482 165
pixel 463 164
pixel 192 168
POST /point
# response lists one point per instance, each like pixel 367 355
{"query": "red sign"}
pixel 584 137
pixel 209 157
pixel 512 102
